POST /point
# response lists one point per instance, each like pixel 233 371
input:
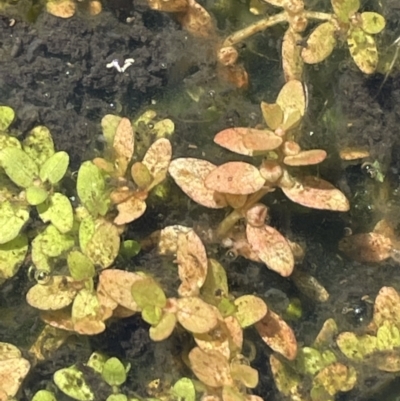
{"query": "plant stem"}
pixel 252 29
pixel 265 23
pixel 318 15
pixel 229 221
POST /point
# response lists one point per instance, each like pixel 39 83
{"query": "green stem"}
pixel 229 221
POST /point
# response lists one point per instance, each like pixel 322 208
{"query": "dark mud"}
pixel 53 72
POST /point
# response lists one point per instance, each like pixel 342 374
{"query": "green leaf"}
pixel 86 231
pixel 344 9
pixel 21 169
pixel 12 219
pixel 8 190
pixel 309 361
pixel 109 124
pixel 71 381
pixel 227 307
pixel 103 246
pixel 372 23
pixel 96 361
pixel 52 242
pixel 58 210
pixel 44 395
pixel 147 292
pixel 54 168
pixel 80 266
pixel 91 188
pixel 7 116
pixel 320 43
pixel 36 195
pixel 250 309
pixel 12 255
pixel 114 372
pixel 164 128
pixel 117 397
pixel 129 249
pixel 388 337
pixel 7 141
pixel 164 328
pixel 286 378
pixel 39 144
pixel 356 347
pixel 39 259
pixel 216 283
pixel 152 314
pixel 363 50
pixel 184 390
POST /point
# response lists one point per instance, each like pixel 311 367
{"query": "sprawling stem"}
pixel 252 29
pixel 318 15
pixel 265 23
pixel 229 221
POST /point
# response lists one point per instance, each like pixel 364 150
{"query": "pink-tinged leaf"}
pixel 211 367
pixel 124 139
pixel 291 148
pixel 130 210
pixel 192 262
pixel 157 159
pixel 246 141
pixel 237 178
pixel 190 174
pixel 276 333
pixel 271 170
pixel 260 141
pixel 384 228
pixel 257 215
pixel 353 153
pixel 386 307
pixel 272 248
pixel 196 20
pixel 306 158
pixel 292 63
pixel 117 285
pixel 317 193
pixel 366 247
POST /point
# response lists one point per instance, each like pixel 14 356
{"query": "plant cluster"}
pixel 76 251
pixel 241 185
pixel 345 25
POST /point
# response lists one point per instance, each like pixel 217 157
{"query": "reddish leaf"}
pixel 129 210
pixel 246 141
pixel 272 248
pixel 192 263
pixel 318 194
pixel 235 178
pixel 211 368
pixel 386 307
pixel 190 174
pixel 157 159
pixel 306 158
pixel 278 335
pixel 366 247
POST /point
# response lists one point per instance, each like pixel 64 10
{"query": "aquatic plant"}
pixel 345 25
pixel 241 185
pixel 77 250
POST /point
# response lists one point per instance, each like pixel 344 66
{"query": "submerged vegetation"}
pixel 71 233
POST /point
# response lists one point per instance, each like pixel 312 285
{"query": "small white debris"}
pixel 115 64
